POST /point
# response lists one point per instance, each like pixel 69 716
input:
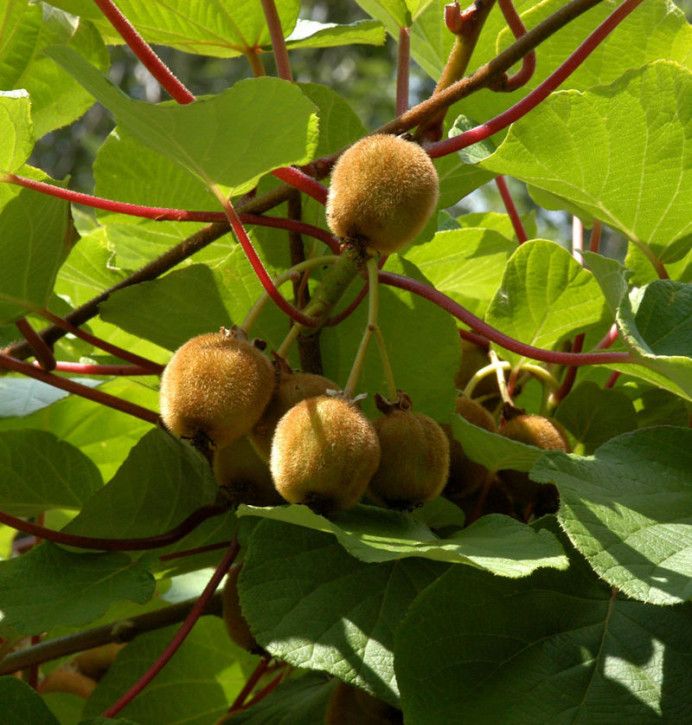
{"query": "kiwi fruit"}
pixel 215 387
pixel 324 453
pixel 95 662
pixel 244 475
pixel 350 705
pixel 414 464
pixel 65 679
pixel 383 191
pixel 530 498
pixel 236 624
pixel 292 387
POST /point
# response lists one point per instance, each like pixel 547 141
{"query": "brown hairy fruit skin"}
pixel 475 413
pixel 236 624
pixel 350 705
pixel 415 457
pixel 531 498
pixel 383 191
pixel 324 453
pixel 68 680
pixel 291 389
pixel 95 662
pixel 244 475
pixel 216 386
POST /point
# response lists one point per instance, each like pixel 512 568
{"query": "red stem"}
pixel 595 240
pixel 541 92
pixel 137 360
pixel 185 629
pixel 609 338
pixel 101 544
pixel 266 690
pixel 42 352
pixel 89 369
pixel 98 396
pixel 283 65
pixel 250 685
pixel 241 235
pixel 350 308
pixel 293 225
pixel 192 552
pixel 511 209
pixel 402 70
pixel 571 374
pixel 499 338
pixel 610 383
pixel 300 180
pixel 144 53
pixel 528 62
pixel 477 340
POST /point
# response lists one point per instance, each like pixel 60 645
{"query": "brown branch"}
pixel 121 631
pixel 155 268
pixel 42 352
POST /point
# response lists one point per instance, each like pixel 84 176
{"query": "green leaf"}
pixel 494 451
pixel 457 179
pixel 311 604
pixel 33 244
pixel 98 579
pixel 39 472
pixel 212 137
pixel 545 296
pixel 628 508
pixel 296 702
pixel 637 181
pixel 194 688
pixel 225 29
pixel 466 264
pixel 500 223
pixel 593 414
pixel 497 543
pixel 17 139
pixel 103 434
pixel 421 340
pixel 311 34
pixel 20 704
pixel 23 396
pixel 555 647
pixel 394 13
pixel 24 64
pixel 161 483
pixel 170 310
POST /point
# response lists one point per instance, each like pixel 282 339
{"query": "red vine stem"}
pixel 89 369
pixel 102 544
pixel 509 343
pixel 161 213
pixel 528 62
pixel 192 552
pixel 595 239
pixel 301 181
pixel 250 685
pixel 541 92
pixel 270 288
pixel 72 386
pixel 185 629
pixel 163 74
pixel 137 360
pixel 511 208
pixel 610 383
pixel 266 690
pixel 402 70
pixel 42 352
pixel 609 338
pixel 477 340
pixel 283 65
pixel 571 374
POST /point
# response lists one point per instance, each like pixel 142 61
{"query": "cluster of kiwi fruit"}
pixel 472 486
pixel 276 435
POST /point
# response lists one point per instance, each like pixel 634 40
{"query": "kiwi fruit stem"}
pixel 288 275
pixel 483 373
pixel 371 328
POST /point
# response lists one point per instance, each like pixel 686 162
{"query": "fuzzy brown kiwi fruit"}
pixel 236 624
pixel 215 387
pixel 324 453
pixel 244 475
pixel 383 191
pixel 292 387
pixel 415 456
pixel 350 705
pixel 65 679
pixel 531 498
pixel 95 662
